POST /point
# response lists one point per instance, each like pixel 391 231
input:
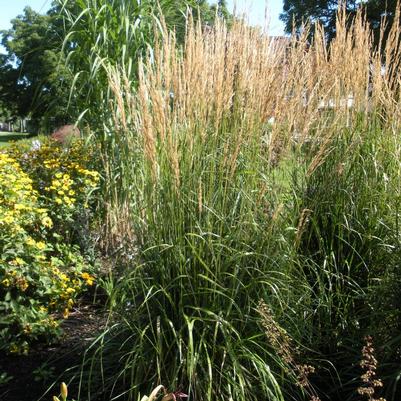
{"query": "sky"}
pixel 9 9
pixel 255 10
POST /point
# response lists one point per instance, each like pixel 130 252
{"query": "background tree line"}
pixel 297 12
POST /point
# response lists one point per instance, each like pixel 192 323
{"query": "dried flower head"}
pixel 369 365
pixel 281 342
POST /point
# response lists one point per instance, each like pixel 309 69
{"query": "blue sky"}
pixel 256 9
pixel 9 9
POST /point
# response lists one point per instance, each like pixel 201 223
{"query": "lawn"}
pixel 6 137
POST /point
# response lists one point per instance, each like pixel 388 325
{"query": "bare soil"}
pixel 37 376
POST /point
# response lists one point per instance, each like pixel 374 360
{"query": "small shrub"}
pixel 65 181
pixel 40 275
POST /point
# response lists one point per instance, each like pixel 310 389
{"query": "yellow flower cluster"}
pixel 19 205
pixel 52 163
pixel 88 278
pixel 69 179
pixel 61 187
pixel 41 190
pixel 15 279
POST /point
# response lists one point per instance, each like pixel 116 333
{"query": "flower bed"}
pixel 42 270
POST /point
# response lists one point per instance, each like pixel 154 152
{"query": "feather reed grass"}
pixel 231 82
pixel 248 168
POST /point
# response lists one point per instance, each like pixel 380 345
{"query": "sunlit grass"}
pixel 235 175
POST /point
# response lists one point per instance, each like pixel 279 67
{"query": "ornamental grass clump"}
pixel 251 168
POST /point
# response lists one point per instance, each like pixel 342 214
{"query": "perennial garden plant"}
pixel 42 269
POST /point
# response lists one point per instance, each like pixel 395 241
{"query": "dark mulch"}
pixel 34 374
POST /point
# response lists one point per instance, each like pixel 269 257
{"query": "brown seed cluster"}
pixel 369 377
pixel 281 342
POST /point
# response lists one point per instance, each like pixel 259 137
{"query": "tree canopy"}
pixel 33 79
pixel 296 12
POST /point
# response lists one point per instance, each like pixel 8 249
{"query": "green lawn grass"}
pixel 6 137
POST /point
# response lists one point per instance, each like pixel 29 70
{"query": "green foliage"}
pixel 297 12
pixel 33 80
pixel 350 247
pixel 103 33
pixel 37 77
pixel 41 270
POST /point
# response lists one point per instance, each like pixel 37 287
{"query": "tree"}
pixel 33 79
pixel 296 12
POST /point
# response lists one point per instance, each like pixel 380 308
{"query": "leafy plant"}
pixel 39 274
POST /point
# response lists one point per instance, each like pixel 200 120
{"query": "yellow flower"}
pixel 58 175
pixel 47 222
pixel 9 219
pixel 18 261
pixel 88 278
pixel 30 241
pixel 41 245
pixel 58 201
pixel 6 282
pixel 22 284
pixel 66 313
pixel 64 277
